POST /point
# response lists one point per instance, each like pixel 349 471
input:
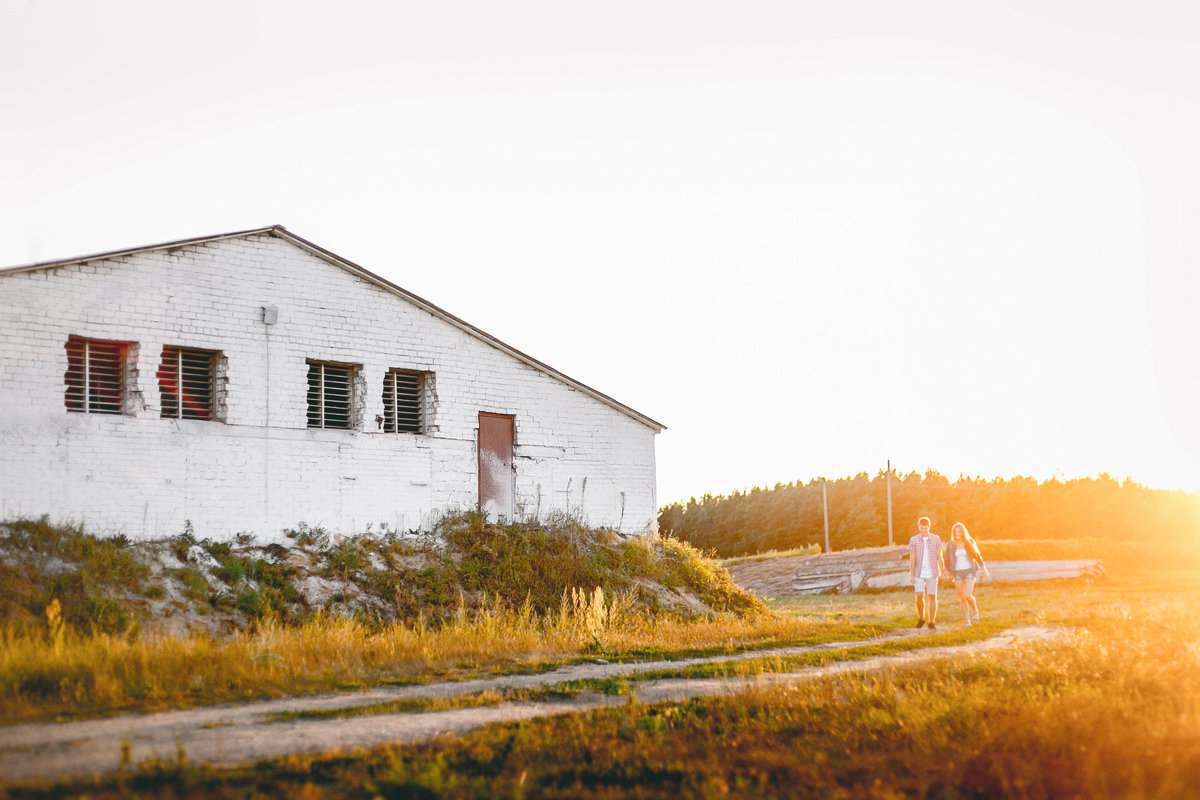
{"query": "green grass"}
pixel 624 684
pixel 407 705
pixel 99 565
pixel 789 663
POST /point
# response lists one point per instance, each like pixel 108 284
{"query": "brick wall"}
pixel 261 468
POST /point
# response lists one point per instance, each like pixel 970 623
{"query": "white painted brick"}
pixel 146 476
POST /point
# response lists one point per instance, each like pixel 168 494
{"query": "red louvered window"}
pixel 185 382
pixel 95 378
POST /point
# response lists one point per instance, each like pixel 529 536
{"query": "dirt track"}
pixel 233 734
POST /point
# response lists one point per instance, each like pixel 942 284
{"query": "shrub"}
pixel 251 603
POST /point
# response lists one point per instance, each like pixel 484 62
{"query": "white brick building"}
pixel 251 381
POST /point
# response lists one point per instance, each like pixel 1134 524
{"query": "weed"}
pixel 305 536
pixel 231 571
pixel 222 601
pixel 180 545
pixel 221 551
pixel 251 603
pixel 344 559
pixel 193 585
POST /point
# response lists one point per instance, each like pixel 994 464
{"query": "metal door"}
pixel 496 465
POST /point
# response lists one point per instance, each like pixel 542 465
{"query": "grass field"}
pixel 1112 711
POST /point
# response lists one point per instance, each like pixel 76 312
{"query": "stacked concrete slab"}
pixel 878 568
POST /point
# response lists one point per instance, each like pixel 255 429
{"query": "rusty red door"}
pixel 496 465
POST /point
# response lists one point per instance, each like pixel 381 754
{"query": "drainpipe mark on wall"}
pixel 270 315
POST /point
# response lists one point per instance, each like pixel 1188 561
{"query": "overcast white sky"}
pixel 806 236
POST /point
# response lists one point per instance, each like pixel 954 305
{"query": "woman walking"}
pixel 965 563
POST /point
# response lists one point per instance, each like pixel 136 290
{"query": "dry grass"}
pixel 485 598
pixel 59 672
pixel 1113 713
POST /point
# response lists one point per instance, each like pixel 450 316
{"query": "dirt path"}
pixel 233 734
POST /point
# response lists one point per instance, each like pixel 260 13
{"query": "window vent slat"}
pixel 403 401
pixel 95 377
pixel 330 395
pixel 185 381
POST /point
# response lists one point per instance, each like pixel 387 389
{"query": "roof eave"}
pixel 66 262
pixel 446 316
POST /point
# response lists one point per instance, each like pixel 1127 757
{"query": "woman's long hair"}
pixel 966 534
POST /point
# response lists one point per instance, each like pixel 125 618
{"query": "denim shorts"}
pixel 963 574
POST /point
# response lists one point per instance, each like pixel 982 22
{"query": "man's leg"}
pixel 931 608
pixel 920 609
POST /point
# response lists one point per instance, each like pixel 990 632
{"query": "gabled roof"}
pixel 283 233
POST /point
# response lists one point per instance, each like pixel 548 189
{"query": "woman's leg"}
pixel 970 606
pixel 959 585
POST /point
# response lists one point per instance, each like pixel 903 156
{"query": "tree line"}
pixel 790 515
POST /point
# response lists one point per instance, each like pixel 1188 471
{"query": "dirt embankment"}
pixel 181 584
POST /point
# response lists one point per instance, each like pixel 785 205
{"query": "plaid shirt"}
pixel 917 555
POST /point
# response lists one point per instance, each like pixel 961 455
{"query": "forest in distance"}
pixel 790 515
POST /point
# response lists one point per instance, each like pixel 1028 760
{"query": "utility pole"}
pixel 891 541
pixel 825 506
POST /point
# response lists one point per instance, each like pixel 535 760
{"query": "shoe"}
pixel 975 618
pixel 932 627
pixel 920 623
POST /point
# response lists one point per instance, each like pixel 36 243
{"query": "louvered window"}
pixel 403 391
pixel 330 394
pixel 185 383
pixel 95 376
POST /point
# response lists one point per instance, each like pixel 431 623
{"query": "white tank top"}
pixel 961 559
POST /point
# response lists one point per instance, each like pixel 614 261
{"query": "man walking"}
pixel 925 566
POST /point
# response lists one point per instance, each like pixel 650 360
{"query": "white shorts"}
pixel 925 585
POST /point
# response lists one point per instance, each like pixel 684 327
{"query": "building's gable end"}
pixel 281 233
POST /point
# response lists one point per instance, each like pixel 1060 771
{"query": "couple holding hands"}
pixel 929 560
